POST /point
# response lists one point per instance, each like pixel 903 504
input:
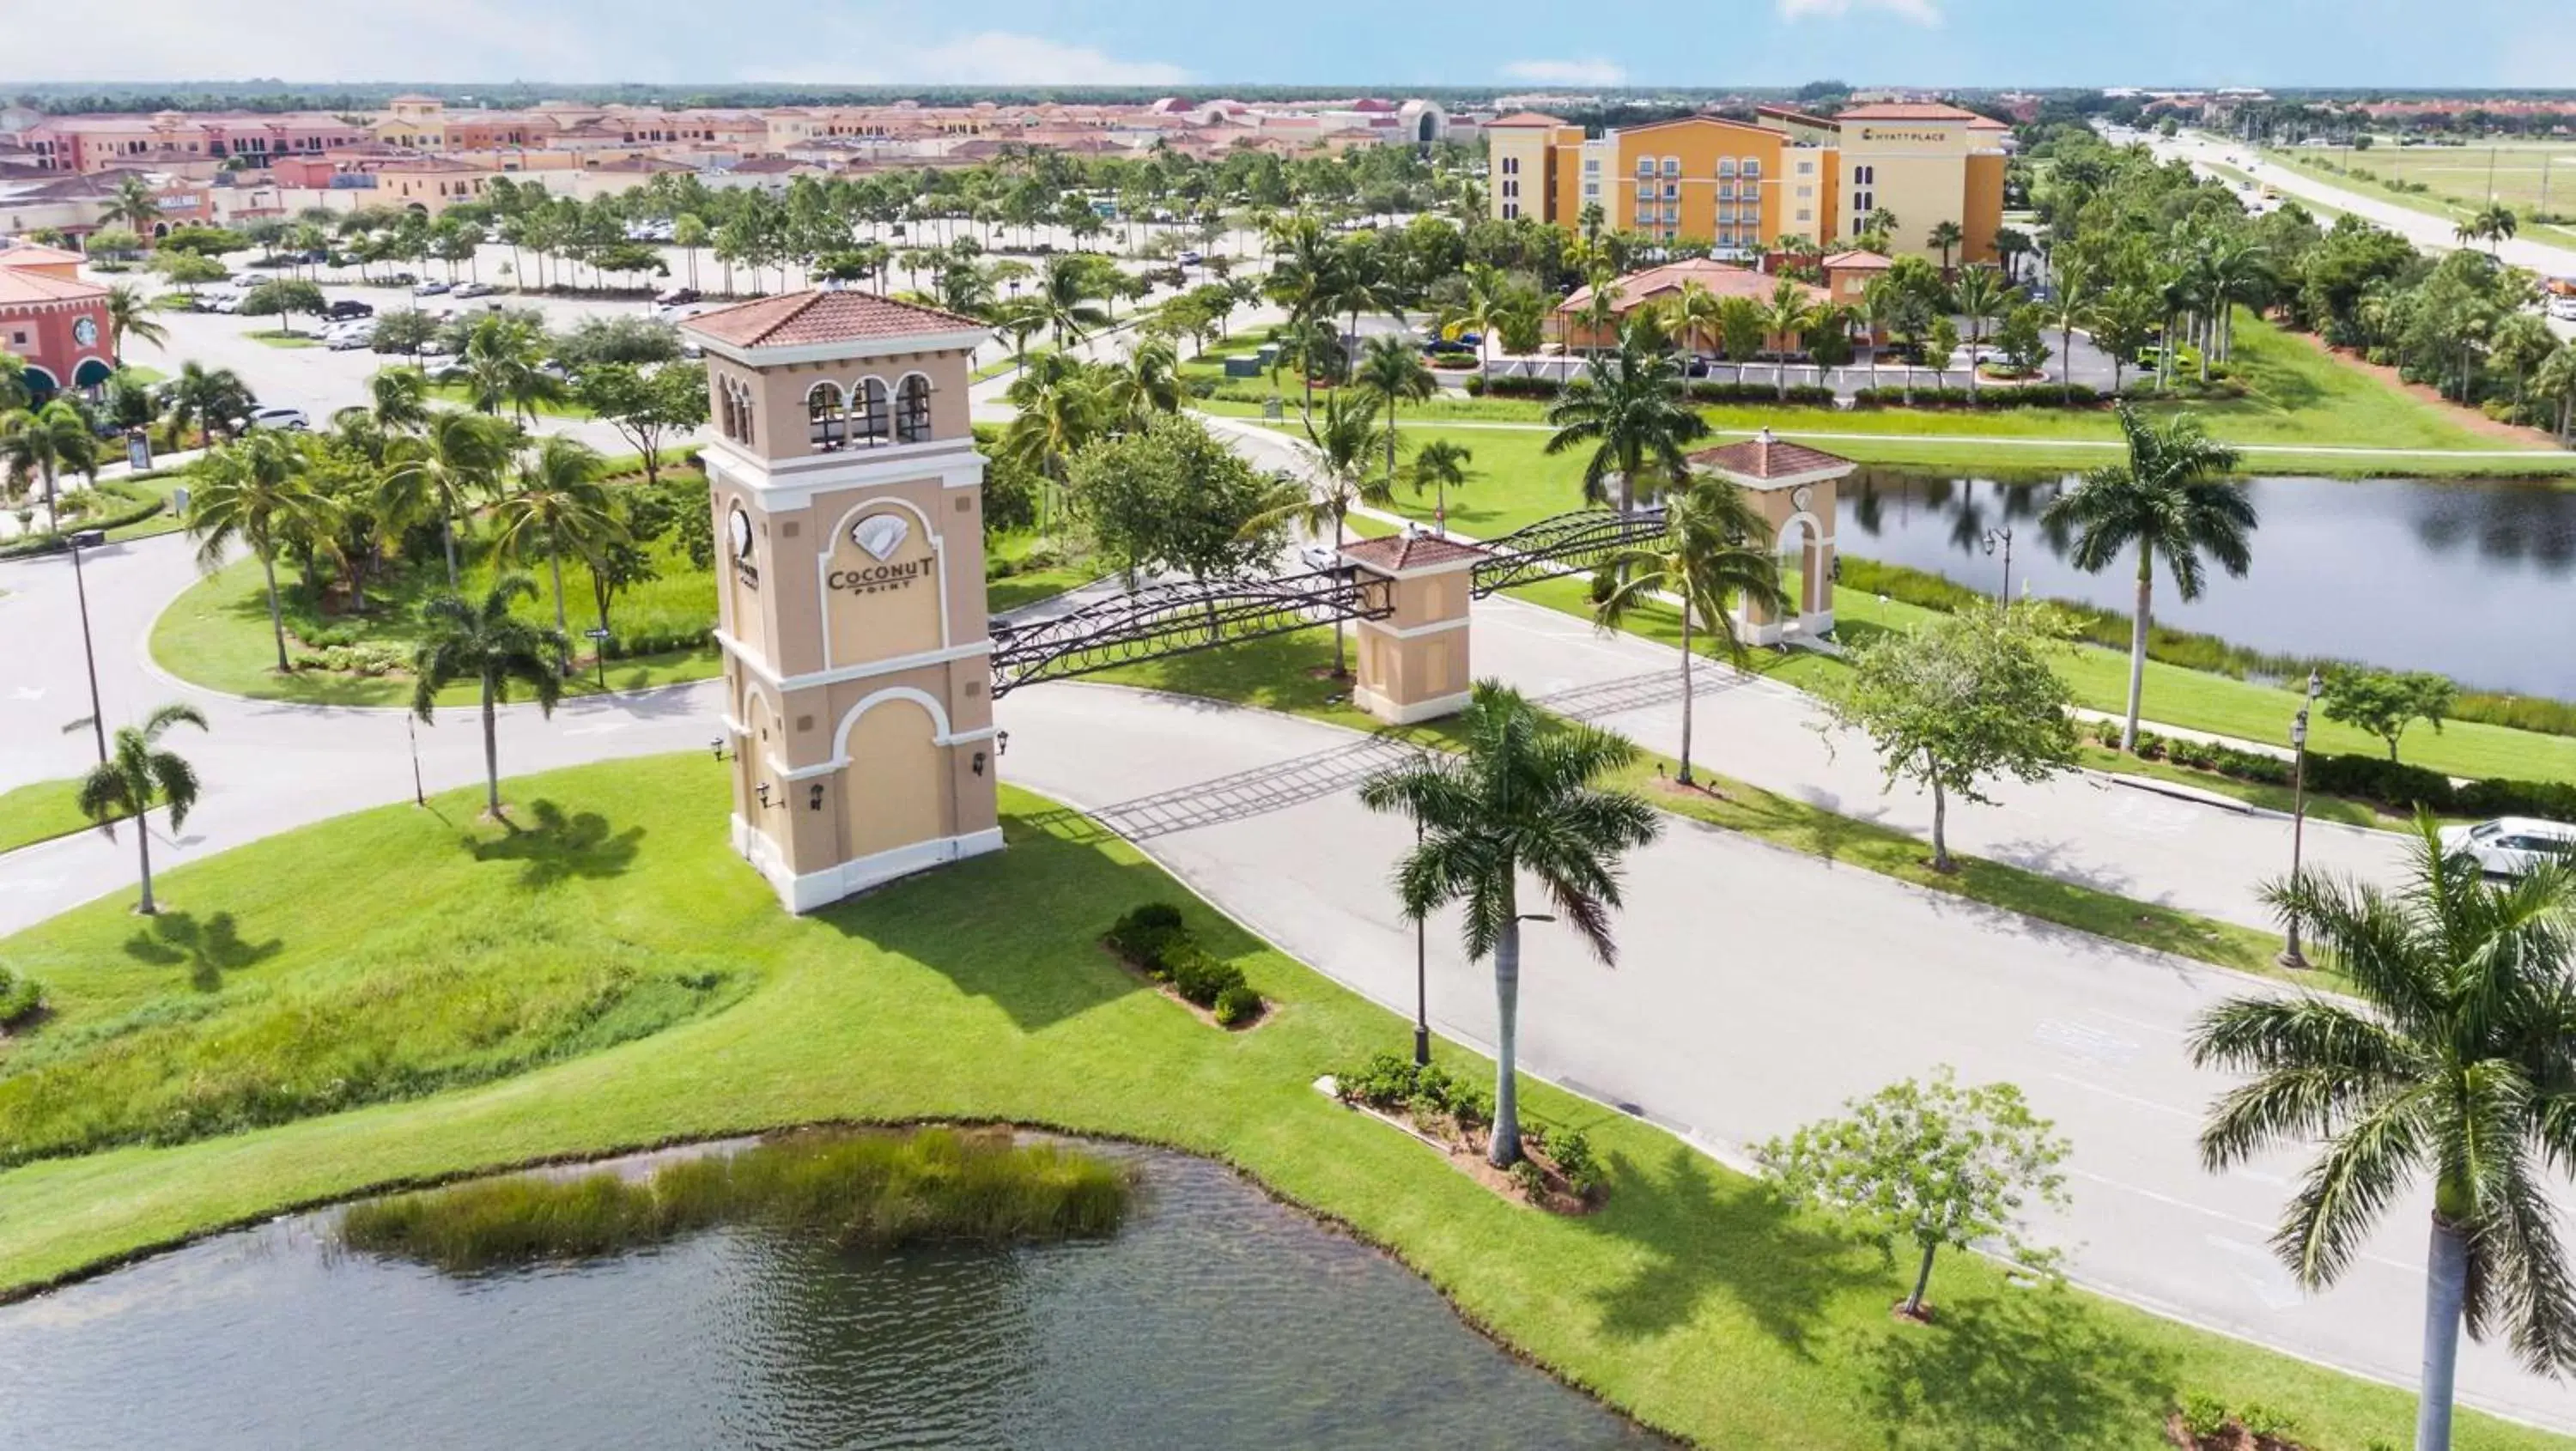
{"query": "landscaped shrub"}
pixel 1576 1161
pixel 1811 395
pixel 1390 1082
pixel 21 999
pixel 113 504
pixel 2029 395
pixel 2203 1416
pixel 1155 940
pixel 870 1190
pixel 1512 387
pixel 2362 777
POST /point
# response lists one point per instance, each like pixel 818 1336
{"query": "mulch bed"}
pixel 1465 1149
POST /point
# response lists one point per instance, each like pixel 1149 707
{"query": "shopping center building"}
pixel 1742 185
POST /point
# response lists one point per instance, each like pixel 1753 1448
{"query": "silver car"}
pixel 2513 846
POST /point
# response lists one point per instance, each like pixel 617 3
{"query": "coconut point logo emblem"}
pixel 739 526
pixel 879 536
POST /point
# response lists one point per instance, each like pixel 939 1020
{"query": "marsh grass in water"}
pixel 856 1190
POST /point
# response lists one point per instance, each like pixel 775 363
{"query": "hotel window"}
pixel 1753 166
pixel 1671 190
pixel 1672 166
pixel 1726 166
pixel 1672 215
pixel 1805 192
pixel 1592 165
pixel 1864 176
pixel 1511 211
pixel 1645 166
pixel 1861 204
pixel 1806 167
pixel 1726 236
pixel 1726 191
pixel 1511 166
pixel 1805 215
pixel 1725 212
pixel 1592 191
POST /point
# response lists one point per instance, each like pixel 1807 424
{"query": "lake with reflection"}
pixel 2475 579
pixel 1217 1318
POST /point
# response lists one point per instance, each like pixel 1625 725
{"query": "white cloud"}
pixel 1921 12
pixel 1587 71
pixel 455 41
pixel 988 58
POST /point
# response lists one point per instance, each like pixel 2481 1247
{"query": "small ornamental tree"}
pixel 1929 1165
pixel 2386 702
pixel 648 408
pixel 1952 704
pixel 283 298
pixel 1175 498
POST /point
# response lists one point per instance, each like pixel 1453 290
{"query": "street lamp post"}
pixel 1421 977
pixel 2291 956
pixel 80 590
pixel 2003 537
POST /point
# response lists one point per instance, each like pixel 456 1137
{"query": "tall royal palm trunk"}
pixel 1341 662
pixel 143 847
pixel 276 621
pixel 554 562
pixel 2446 1278
pixel 2138 644
pixel 1685 776
pixel 447 541
pixel 491 752
pixel 1506 1147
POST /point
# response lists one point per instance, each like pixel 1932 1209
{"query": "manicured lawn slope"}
pixel 40 811
pixel 979 992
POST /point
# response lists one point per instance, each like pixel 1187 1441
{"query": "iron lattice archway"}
pixel 1177 619
pixel 1567 544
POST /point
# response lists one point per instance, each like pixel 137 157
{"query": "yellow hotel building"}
pixel 1740 186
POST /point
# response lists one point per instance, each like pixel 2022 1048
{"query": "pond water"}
pixel 1216 1318
pixel 2475 579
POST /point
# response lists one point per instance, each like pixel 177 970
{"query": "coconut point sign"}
pixel 880 538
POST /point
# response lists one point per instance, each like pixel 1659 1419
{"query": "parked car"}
pixel 1316 556
pixel 287 418
pixel 432 348
pixel 675 296
pixel 342 340
pixel 1190 259
pixel 2513 846
pixel 2563 308
pixel 432 288
pixel 348 307
pixel 472 289
pixel 223 302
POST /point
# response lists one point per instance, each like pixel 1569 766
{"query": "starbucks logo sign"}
pixel 85 332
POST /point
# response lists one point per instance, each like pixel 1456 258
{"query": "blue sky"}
pixel 1197 46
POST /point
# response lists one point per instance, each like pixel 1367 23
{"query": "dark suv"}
pixel 350 307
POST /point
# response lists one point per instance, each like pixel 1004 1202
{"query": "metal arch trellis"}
pixel 1176 619
pixel 1566 544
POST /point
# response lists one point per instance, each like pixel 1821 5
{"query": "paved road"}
pixel 1756 990
pixel 266 767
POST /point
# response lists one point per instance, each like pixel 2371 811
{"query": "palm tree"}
pixel 1520 798
pixel 1489 295
pixel 1947 236
pixel 2071 307
pixel 2492 224
pixel 1982 297
pixel 212 400
pixel 1715 549
pixel 257 492
pixel 1391 370
pixel 129 317
pixel 397 400
pixel 1148 384
pixel 1058 409
pixel 1064 299
pixel 559 504
pixel 502 364
pixel 1693 314
pixel 437 476
pixel 137 773
pixel 135 206
pixel 2170 499
pixel 2555 381
pixel 1629 408
pixel 485 643
pixel 2450 1055
pixel 41 444
pixel 1343 446
pixel 1439 466
pixel 1787 320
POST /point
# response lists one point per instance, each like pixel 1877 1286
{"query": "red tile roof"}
pixel 1765 457
pixel 1856 262
pixel 834 316
pixel 36 254
pixel 1905 111
pixel 21 288
pixel 1523 118
pixel 1399 552
pixel 1723 278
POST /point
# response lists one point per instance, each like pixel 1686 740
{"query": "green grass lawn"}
pixel 1691 1299
pixel 216 633
pixel 2458 178
pixel 1024 585
pixel 281 338
pixel 2297 399
pixel 40 811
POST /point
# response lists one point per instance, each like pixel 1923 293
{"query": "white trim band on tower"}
pixel 742 653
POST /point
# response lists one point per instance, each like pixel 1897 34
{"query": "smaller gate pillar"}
pixel 1793 488
pixel 1413 662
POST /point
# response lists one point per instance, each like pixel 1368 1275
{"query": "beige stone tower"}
pixel 850 582
pixel 1794 488
pixel 1413 663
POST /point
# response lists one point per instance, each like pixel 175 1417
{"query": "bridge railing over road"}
pixel 1176 619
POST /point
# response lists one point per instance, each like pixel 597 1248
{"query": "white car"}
pixel 473 289
pixel 287 418
pixel 2511 846
pixel 346 339
pixel 2563 308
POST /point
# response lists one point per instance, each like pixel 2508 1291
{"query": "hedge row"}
pixel 136 506
pixel 2377 779
pixel 2001 396
pixel 1161 945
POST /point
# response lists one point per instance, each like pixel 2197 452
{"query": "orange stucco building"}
pixel 1740 186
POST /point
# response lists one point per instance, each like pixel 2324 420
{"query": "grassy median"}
pixel 1692 1299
